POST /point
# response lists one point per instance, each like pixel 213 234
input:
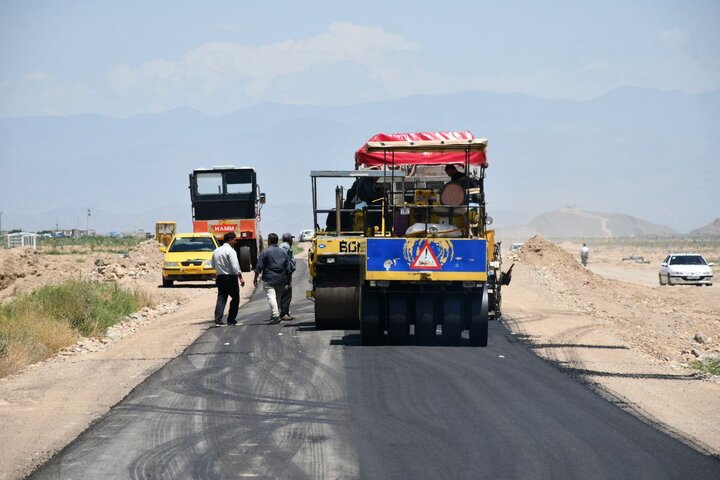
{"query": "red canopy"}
pixel 423 148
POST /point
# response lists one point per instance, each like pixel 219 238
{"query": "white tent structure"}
pixel 22 239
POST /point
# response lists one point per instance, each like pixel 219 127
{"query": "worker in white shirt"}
pixel 225 262
pixel 584 255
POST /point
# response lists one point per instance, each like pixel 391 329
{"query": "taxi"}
pixel 188 258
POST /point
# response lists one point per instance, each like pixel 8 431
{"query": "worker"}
pixel 274 266
pixel 461 179
pixel 286 292
pixel 364 189
pixel 225 262
pixel 584 254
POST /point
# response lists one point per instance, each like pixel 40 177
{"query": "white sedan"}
pixel 685 269
pixel 305 235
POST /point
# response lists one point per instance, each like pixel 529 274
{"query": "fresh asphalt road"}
pixel 287 401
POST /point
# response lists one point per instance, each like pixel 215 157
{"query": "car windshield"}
pixel 198 244
pixel 687 260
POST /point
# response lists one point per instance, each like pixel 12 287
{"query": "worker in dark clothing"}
pixel 457 176
pixel 286 293
pixel 274 266
pixel 364 189
pixel 462 179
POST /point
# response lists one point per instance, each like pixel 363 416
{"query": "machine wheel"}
pixel 167 283
pixel 452 320
pixel 498 304
pixel 244 257
pixel 370 316
pixel 479 319
pixel 398 326
pixel 336 304
pixel 253 255
pixel 424 324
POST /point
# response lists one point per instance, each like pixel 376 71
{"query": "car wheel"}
pixel 660 280
pixel 167 283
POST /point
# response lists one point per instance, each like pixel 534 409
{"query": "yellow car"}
pixel 188 258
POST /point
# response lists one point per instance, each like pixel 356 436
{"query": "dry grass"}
pixel 36 326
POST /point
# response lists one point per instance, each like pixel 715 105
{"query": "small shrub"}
pixel 36 326
pixel 89 307
pixel 709 366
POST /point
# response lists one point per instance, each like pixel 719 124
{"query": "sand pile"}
pixel 17 263
pixel 23 270
pixel 662 322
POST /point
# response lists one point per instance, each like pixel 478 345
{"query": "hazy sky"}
pixel 129 57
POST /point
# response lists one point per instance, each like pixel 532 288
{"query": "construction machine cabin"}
pixel 405 252
pixel 228 199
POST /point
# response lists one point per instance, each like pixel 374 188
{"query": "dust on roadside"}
pixel 661 322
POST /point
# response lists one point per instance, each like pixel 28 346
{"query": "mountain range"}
pixel 647 153
pixel 570 222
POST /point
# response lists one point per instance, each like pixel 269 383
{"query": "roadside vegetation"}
pixel 710 366
pixel 34 327
pixel 83 245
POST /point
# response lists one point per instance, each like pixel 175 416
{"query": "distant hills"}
pixel 576 223
pixel 711 229
pixel 645 152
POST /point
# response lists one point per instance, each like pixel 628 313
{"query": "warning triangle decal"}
pixel 426 259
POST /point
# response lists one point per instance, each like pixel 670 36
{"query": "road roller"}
pixel 404 253
pixel 431 272
pixel 337 248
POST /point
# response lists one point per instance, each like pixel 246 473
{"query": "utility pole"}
pixel 87 223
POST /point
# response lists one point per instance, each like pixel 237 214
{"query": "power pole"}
pixel 87 223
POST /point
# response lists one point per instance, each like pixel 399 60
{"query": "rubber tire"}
pixel 370 316
pixel 660 280
pixel 479 319
pixel 245 259
pixel 253 255
pixel 167 283
pixel 336 305
pixel 668 281
pixel 424 323
pixel 398 326
pixel 452 319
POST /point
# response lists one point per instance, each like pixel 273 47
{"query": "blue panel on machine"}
pixel 426 254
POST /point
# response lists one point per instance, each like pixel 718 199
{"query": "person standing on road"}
pixel 274 266
pixel 225 262
pixel 584 255
pixel 286 292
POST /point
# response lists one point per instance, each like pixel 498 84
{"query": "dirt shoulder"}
pixel 629 341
